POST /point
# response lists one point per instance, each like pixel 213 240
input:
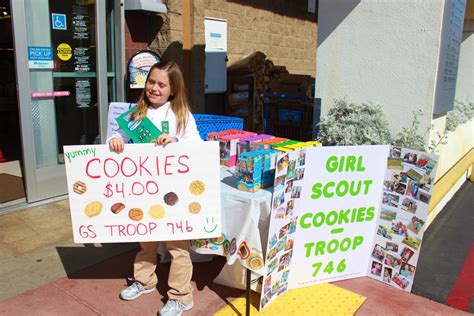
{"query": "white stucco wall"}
pixel 377 51
pixel 465 81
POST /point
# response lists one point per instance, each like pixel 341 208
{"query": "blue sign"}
pixel 58 21
pixel 40 57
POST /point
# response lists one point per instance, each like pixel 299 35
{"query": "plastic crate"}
pixel 208 123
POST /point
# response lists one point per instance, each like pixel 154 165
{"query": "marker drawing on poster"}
pixel 145 193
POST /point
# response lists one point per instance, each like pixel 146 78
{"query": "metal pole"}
pixel 247 294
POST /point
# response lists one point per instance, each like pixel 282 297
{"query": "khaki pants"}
pixel 181 269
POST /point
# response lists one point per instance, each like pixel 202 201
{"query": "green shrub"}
pixel 461 113
pixel 353 124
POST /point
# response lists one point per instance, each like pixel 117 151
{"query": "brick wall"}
pixel 283 30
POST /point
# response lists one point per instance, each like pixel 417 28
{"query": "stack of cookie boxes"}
pixel 253 155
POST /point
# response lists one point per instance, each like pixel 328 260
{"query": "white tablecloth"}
pixel 245 220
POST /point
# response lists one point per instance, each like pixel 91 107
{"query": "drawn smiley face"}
pixel 210 225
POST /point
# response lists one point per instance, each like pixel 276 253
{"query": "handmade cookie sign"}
pixel 146 193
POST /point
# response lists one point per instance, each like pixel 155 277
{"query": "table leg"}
pixel 247 294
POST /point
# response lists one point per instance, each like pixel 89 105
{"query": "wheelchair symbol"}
pixel 59 21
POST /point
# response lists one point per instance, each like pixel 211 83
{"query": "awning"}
pixel 146 5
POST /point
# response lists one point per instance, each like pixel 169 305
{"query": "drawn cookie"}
pixel 197 187
pixel 135 214
pixel 117 208
pixel 171 198
pixel 93 208
pixel 157 211
pixel 194 207
pixel 79 187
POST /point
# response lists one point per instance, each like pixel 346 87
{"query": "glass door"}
pixel 65 79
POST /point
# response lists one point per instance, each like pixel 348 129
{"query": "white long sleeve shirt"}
pixel 165 113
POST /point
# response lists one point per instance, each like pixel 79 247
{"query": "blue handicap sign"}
pixel 58 21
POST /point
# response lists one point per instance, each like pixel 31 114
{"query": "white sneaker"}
pixel 175 308
pixel 134 291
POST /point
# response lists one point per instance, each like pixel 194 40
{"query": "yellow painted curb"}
pixel 322 299
pixel 449 179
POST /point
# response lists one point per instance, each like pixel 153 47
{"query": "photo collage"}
pixel 407 191
pixel 289 172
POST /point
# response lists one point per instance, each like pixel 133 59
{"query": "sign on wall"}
pixel 145 193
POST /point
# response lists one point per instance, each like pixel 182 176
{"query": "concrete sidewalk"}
pixel 45 273
pixel 94 291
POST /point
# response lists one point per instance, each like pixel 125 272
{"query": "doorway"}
pixel 11 181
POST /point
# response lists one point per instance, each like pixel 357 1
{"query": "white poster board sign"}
pixel 145 193
pixel 324 212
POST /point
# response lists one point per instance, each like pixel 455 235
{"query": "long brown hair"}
pixel 178 99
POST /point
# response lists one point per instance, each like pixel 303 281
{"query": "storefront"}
pixel 69 64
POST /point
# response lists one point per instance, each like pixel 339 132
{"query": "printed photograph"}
pixel 406 254
pixel 409 205
pixel 272 253
pixel 296 192
pixel 387 215
pixel 376 268
pixel 410 157
pixel 268 284
pixel 266 298
pixel 293 223
pixel 299 173
pixel 393 261
pixel 423 197
pixel 384 232
pixel 278 200
pixel 282 288
pixel 281 244
pixel 289 244
pixel 301 157
pixel 426 183
pixel 390 199
pixel 399 228
pixel 275 287
pixel 280 213
pixel 412 188
pixel 399 188
pixel 279 183
pixel 391 246
pixel 378 252
pixel 395 152
pixel 273 241
pixel 387 274
pixel 388 185
pixel 414 175
pixel 412 242
pixel 289 207
pixel 291 169
pixel 285 260
pixel 394 163
pixel 284 230
pixel 289 186
pixel 415 224
pixel 272 266
pixel 408 271
pixel 282 163
pixel 284 276
pixel 400 280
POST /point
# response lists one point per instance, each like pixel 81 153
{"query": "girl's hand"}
pixel 164 139
pixel 116 144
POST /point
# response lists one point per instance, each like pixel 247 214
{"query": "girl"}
pixel 163 101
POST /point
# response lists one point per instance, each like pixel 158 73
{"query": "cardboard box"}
pixel 248 171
